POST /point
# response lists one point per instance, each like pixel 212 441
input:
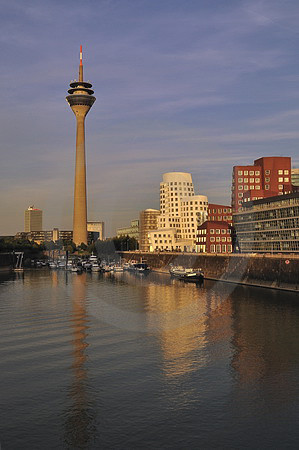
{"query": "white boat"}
pixel 183 274
pixel 95 267
pixel 179 271
pixel 69 265
pixel 52 265
pixel 118 269
pixel 93 258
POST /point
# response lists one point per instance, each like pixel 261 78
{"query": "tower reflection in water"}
pixel 79 422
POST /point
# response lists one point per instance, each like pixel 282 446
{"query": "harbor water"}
pixel 125 361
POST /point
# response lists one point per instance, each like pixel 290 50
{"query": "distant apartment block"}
pixel 132 231
pixel 33 219
pixel 54 235
pixel 269 225
pixel 268 176
pixel 97 229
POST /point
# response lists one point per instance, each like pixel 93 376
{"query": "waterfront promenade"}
pixel 118 361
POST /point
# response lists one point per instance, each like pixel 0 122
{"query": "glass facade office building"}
pixel 269 225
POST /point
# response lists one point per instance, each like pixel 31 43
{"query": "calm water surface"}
pixel 126 362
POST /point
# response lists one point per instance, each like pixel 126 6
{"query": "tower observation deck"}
pixel 80 99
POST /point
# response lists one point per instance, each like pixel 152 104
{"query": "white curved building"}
pixel 181 213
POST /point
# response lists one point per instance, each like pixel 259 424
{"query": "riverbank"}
pixel 6 262
pixel 269 271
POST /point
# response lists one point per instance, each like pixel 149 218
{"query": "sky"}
pixel 192 86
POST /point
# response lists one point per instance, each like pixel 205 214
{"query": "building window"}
pixel 280 187
pixel 267 172
pixel 240 172
pixel 212 239
pixel 280 172
pixel 257 172
pixel 240 188
pixel 218 248
pixel 286 180
pixel 251 172
pixel 286 172
pixel 245 172
pixel 267 180
pixel 212 231
pixel 267 187
pixel 280 180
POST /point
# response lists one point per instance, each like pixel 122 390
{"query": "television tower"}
pixel 80 100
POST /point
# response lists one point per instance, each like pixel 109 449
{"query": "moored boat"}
pixel 189 275
pixel 193 277
pixel 141 268
pixel 179 271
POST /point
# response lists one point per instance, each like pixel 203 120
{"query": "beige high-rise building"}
pixel 148 221
pixel 80 100
pixel 181 213
pixel 33 219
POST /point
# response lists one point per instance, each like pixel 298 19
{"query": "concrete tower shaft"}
pixel 80 99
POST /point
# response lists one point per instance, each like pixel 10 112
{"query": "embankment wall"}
pixel 272 271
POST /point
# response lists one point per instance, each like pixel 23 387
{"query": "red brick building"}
pixel 220 213
pixel 214 237
pixel 267 177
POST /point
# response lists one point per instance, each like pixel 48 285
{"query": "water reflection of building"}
pixel 178 318
pixel 79 429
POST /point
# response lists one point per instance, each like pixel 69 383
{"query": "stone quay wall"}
pixel 272 271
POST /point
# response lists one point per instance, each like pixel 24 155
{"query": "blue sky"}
pixel 195 86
